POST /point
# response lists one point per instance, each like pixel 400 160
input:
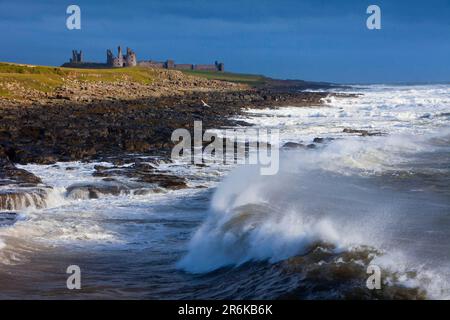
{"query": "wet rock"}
pixel 362 133
pixel 100 168
pixel 8 218
pixel 318 140
pixel 142 172
pixel 293 145
pixel 164 180
pixel 18 176
pixel 142 166
pixel 322 140
pixel 65 130
pixel 10 174
pixel 96 190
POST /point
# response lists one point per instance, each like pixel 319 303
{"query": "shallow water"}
pixel 308 232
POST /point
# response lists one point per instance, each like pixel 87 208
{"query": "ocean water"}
pixel 309 232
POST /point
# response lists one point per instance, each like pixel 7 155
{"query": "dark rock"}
pixel 322 140
pixel 96 190
pixel 142 172
pixel 362 133
pixel 164 180
pixel 9 174
pixel 318 140
pixel 293 145
pixel 8 218
pixel 60 130
pixel 142 166
pixel 100 168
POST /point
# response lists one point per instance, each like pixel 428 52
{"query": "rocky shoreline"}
pixel 75 123
pixel 45 134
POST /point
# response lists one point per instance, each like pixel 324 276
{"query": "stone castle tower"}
pixel 128 60
pixel 77 57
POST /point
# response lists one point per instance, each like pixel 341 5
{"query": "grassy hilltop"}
pixel 46 79
pixel 28 83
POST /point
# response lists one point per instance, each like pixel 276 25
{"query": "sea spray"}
pixel 329 195
pixel 247 223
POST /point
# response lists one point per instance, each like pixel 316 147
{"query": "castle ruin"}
pixel 170 64
pixel 129 60
pixel 77 57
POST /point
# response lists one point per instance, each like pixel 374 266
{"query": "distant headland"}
pixel 129 60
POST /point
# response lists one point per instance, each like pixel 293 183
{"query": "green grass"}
pixel 40 82
pixel 28 69
pixel 47 79
pixel 136 74
pixel 250 79
pixel 4 93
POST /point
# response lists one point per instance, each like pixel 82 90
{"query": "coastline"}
pixel 44 134
pixel 82 121
pixel 110 119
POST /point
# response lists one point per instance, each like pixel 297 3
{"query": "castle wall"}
pixel 117 63
pixel 184 66
pixel 151 64
pixel 170 64
pixel 205 67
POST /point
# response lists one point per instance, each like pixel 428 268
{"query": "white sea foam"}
pixel 390 109
pixel 322 195
pixel 74 219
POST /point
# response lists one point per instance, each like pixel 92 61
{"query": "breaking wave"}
pixel 30 198
pixel 328 198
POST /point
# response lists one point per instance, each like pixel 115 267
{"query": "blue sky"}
pixel 303 39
